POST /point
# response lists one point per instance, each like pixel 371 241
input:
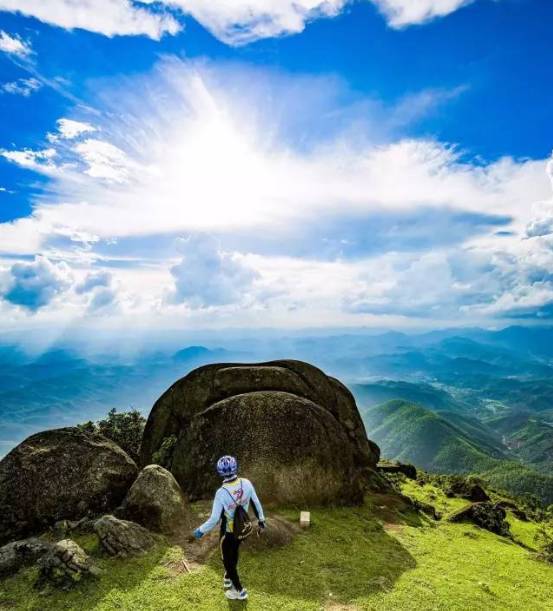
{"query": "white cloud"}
pixel 232 21
pixel 69 128
pixel 41 160
pixel 207 276
pixel 243 21
pixel 23 86
pixel 34 285
pixel 108 17
pixel 103 299
pixel 542 221
pixel 94 280
pixel 104 160
pixel 401 13
pixel 14 45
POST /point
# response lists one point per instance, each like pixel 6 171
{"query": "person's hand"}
pixel 260 526
pixel 198 534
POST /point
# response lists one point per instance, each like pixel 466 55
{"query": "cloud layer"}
pixel 211 209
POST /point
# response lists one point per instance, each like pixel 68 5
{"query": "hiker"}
pixel 230 506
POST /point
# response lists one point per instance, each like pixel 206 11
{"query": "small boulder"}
pixel 123 538
pixel 477 494
pixel 64 565
pixel 19 554
pixel 61 474
pixel 485 515
pixel 155 501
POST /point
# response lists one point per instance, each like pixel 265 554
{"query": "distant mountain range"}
pixel 61 388
pixel 455 400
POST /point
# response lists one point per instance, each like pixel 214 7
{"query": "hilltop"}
pixel 111 534
pixel 381 555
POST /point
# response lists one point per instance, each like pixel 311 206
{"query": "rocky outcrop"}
pixel 295 431
pixel 408 470
pixel 486 515
pixel 155 500
pixel 60 474
pixel 19 554
pixel 467 489
pixel 123 538
pixel 65 565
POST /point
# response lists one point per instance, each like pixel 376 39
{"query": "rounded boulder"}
pixel 61 474
pixel 296 432
pixel 155 501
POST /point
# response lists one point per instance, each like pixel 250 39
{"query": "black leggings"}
pixel 229 551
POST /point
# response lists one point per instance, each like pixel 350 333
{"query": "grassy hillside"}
pixel 411 433
pixel 408 432
pixel 378 556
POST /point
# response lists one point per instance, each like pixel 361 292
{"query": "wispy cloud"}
pixel 23 86
pixel 39 160
pixel 14 45
pixel 70 129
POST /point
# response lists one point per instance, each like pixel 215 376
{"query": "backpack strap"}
pixel 229 493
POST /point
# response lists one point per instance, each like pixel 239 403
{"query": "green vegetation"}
pixel 520 480
pixel 124 428
pixel 423 394
pixel 378 556
pixel 411 433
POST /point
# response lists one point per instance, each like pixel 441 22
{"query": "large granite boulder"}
pixel 155 500
pixel 60 474
pixel 296 432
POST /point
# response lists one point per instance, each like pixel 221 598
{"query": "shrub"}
pixel 124 428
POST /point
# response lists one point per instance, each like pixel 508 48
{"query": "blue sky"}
pixel 274 163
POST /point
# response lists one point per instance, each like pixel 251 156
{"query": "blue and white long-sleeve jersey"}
pixel 230 494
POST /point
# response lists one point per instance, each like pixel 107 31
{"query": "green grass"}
pixel 379 556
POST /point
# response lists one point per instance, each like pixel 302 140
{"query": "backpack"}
pixel 242 526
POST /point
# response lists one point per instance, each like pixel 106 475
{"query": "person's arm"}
pixel 213 519
pixel 258 509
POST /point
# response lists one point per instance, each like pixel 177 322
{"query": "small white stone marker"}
pixel 305 519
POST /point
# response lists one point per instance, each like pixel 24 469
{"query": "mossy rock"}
pixel 296 432
pixel 62 474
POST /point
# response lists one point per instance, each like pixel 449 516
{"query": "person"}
pixel 233 492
